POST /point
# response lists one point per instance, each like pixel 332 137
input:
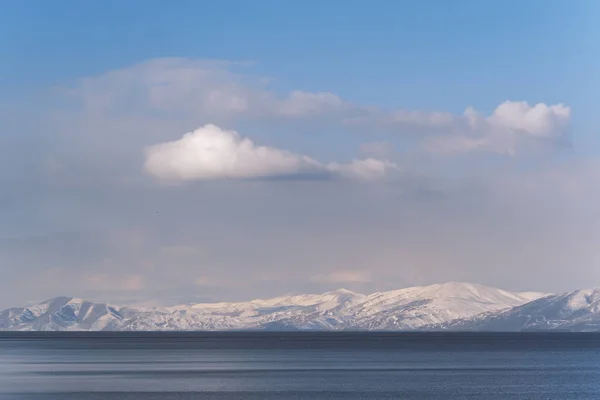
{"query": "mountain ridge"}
pixel 448 306
pixel 577 310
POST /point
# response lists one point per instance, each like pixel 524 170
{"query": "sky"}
pixel 232 150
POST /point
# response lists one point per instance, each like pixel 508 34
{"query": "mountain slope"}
pixel 418 306
pixel 578 310
pixel 61 313
pixel 410 308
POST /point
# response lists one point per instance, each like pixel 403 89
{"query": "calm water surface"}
pixel 299 366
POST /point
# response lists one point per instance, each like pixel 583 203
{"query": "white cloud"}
pixel 539 120
pixel 512 125
pixel 213 91
pixel 343 276
pixel 210 153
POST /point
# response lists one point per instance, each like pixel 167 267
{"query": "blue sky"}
pixel 421 55
pixel 395 53
pixel 86 93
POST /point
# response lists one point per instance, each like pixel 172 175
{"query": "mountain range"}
pixel 451 306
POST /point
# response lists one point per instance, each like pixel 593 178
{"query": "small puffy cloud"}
pixel 512 125
pixel 539 120
pixel 211 153
pixel 343 276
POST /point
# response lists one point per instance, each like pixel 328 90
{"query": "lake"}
pixel 299 366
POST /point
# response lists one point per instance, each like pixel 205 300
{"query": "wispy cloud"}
pixel 212 92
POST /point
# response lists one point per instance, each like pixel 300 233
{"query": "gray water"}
pixel 299 366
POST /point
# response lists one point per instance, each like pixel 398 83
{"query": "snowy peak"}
pixel 414 307
pixel 409 308
pixel 471 291
pixel 578 310
pixel 343 292
pixel 61 313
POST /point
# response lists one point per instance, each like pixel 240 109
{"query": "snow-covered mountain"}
pixel 403 309
pixel 578 310
pixel 62 313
